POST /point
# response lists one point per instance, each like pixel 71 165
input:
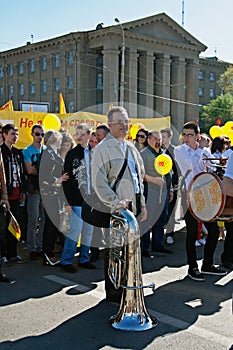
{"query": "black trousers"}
pixel 211 241
pixel 52 220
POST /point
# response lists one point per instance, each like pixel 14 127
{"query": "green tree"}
pixel 226 81
pixel 221 107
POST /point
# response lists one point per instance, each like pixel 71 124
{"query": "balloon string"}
pixel 161 190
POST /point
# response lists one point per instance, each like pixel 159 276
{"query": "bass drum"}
pixel 206 200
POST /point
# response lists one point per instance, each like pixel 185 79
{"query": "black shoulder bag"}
pixel 99 214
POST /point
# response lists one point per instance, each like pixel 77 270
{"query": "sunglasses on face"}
pixel 142 136
pixel 39 134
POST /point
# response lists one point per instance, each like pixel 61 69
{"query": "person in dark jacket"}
pixel 15 182
pixel 3 201
pixel 50 179
pixel 77 166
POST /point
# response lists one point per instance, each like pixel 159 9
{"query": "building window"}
pixel 32 87
pixel 43 63
pixel 70 107
pixel 21 89
pixel 99 85
pixel 56 61
pixel 1 91
pixel 32 66
pixel 212 93
pixel 70 58
pixel 70 82
pixel 44 86
pixel 56 84
pixel 1 72
pixel 201 75
pixel 20 67
pixel 11 92
pixel 200 91
pixel 10 70
pixel 212 78
pixel 56 107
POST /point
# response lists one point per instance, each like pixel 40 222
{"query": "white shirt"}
pixel 189 160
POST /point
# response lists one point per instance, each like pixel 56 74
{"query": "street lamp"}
pixel 122 63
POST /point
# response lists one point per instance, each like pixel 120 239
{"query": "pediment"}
pixel 163 27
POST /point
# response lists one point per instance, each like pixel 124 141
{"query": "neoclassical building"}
pixel 152 66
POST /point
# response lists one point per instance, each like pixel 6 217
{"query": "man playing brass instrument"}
pixel 108 158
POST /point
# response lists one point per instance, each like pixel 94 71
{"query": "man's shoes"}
pixel 17 260
pixel 4 278
pixel 87 265
pixel 163 250
pixel 213 270
pixel 196 275
pixel 170 240
pixel 228 265
pixel 34 256
pixel 145 253
pixel 3 261
pixel 69 268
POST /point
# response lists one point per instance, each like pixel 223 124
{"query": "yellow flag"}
pixel 8 106
pixel 62 107
pixel 14 227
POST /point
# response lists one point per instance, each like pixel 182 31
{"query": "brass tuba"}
pixel 125 271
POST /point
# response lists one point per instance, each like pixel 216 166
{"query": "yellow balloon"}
pixel 224 129
pixel 163 164
pixel 51 122
pixel 215 131
pixel 134 129
pixel 228 126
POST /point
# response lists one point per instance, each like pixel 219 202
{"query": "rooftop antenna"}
pixel 32 38
pixel 183 13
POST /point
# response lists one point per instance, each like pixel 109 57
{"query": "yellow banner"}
pixel 25 120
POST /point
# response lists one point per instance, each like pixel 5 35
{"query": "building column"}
pixel 146 85
pixel 192 97
pixel 131 88
pixel 178 93
pixel 110 77
pixel 162 86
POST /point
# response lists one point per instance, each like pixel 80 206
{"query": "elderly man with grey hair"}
pixel 108 159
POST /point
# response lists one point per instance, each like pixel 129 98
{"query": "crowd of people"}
pixel 58 171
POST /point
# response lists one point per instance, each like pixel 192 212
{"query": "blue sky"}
pixel 208 20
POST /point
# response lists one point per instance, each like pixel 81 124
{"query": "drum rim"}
pixel 222 201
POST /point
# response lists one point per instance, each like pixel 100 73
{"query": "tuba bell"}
pixel 125 271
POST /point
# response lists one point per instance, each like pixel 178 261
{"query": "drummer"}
pixel 189 157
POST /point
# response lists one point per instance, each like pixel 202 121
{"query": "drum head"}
pixel 205 197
